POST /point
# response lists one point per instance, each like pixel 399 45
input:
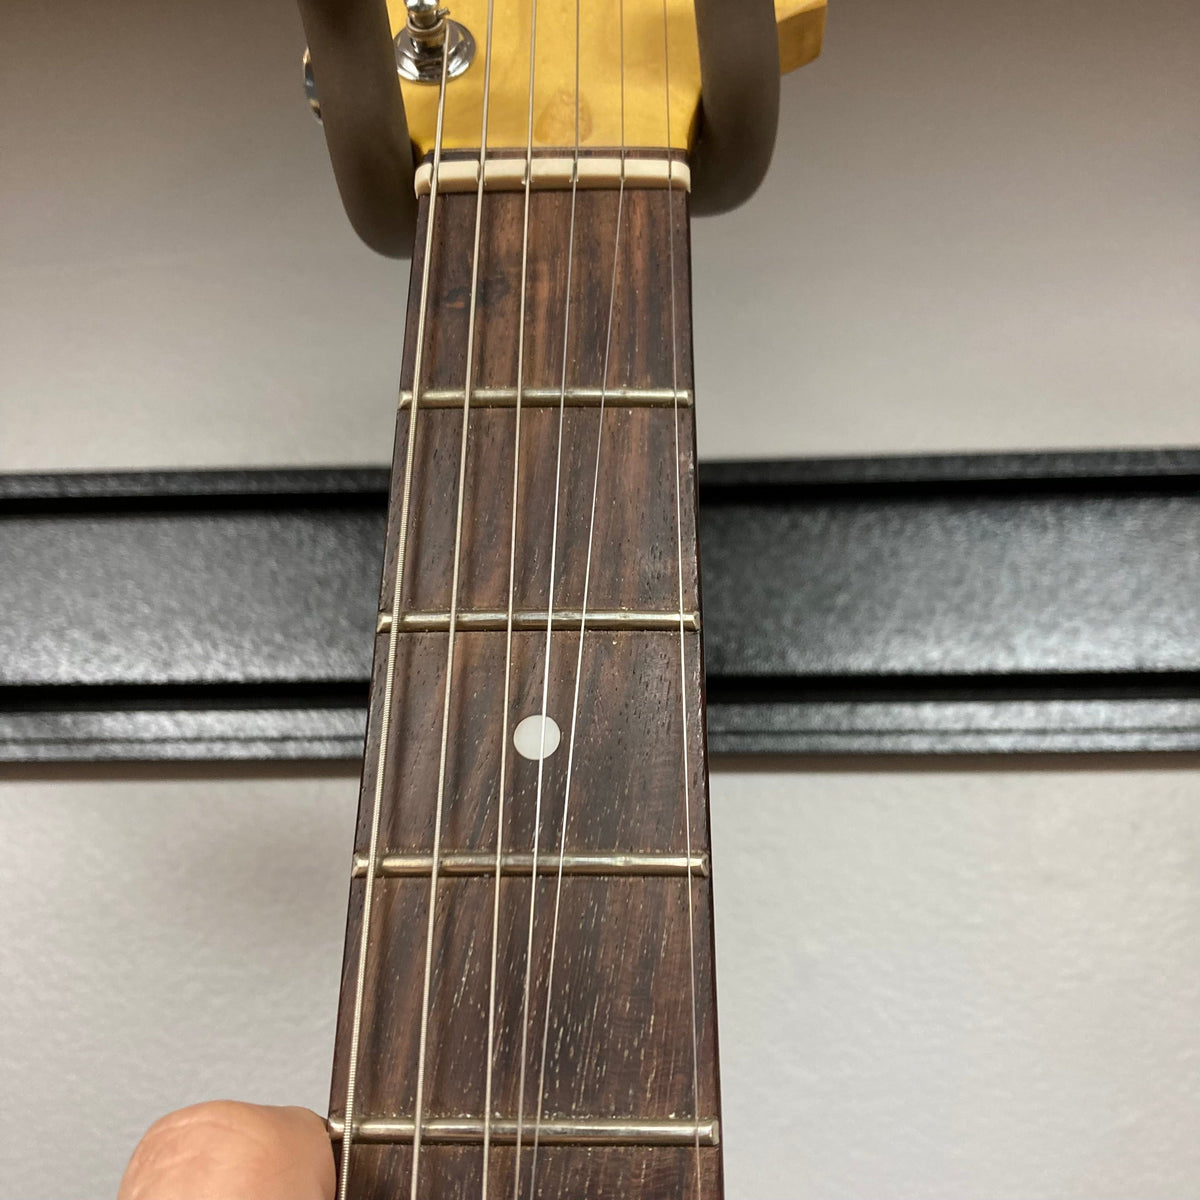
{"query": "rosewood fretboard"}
pixel 628 1108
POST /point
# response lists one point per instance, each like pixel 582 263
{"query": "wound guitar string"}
pixel 452 632
pixel 687 782
pixel 508 638
pixel 390 674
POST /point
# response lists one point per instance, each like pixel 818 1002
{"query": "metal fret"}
pixel 576 397
pixel 535 619
pixel 586 1132
pixel 404 866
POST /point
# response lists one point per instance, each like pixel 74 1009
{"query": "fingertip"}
pixel 227 1150
pixel 310 1134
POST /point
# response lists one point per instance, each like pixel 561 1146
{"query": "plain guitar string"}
pixel 389 680
pixel 452 632
pixel 541 772
pixel 508 643
pixel 687 781
pixel 537 812
pixel 587 579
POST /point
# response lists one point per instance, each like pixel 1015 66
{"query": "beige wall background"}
pixel 961 978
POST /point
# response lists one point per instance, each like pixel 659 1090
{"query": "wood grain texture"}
pixel 634 542
pixel 627 775
pixel 612 980
pixel 620 1020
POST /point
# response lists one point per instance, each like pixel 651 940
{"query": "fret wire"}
pixel 422 1045
pixel 575 397
pixel 485 620
pixel 466 864
pixel 390 671
pixel 584 1131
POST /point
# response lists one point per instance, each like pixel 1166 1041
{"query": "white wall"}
pixel 965 978
pixel 982 230
pixel 945 980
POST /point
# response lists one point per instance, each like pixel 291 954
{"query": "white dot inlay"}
pixel 528 737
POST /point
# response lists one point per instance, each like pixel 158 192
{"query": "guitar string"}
pixel 587 578
pixel 687 782
pixel 541 772
pixel 508 626
pixel 390 671
pixel 452 631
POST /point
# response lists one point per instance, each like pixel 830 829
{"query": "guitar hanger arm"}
pixel 362 110
pixel 739 104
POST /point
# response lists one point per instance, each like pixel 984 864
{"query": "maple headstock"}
pixel 607 75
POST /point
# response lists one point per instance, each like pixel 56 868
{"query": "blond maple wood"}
pixel 800 23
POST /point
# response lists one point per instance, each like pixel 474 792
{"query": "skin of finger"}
pixel 226 1150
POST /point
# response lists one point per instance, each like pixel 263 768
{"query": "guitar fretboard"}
pixel 602 1039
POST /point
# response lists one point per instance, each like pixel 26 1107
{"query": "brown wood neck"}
pixel 592 864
